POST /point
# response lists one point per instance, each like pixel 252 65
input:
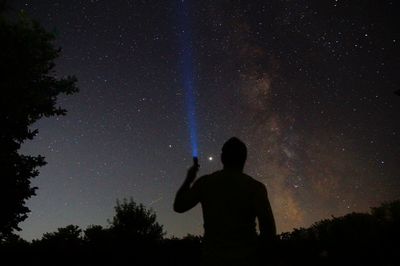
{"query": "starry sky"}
pixel 308 85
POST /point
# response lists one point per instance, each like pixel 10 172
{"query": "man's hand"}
pixel 192 173
pixel 187 197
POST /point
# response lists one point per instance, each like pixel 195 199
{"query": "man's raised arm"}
pixel 187 196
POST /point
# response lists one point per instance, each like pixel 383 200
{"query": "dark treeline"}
pixel 133 237
pixel 354 239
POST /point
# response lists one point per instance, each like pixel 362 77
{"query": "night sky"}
pixel 308 85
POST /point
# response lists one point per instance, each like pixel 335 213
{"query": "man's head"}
pixel 234 154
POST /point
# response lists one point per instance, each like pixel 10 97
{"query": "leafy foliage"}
pixel 133 221
pixel 95 234
pixel 64 236
pixel 29 92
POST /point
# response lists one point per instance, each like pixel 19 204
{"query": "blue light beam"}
pixel 186 64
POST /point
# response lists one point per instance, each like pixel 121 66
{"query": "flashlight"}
pixel 195 161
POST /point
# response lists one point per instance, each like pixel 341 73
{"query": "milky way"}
pixel 308 85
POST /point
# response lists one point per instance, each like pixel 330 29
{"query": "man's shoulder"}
pixel 254 182
pixel 205 178
pixel 209 178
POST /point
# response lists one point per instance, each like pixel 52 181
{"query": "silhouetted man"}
pixel 231 201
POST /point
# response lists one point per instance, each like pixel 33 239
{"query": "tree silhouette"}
pixel 29 92
pixel 95 234
pixel 64 236
pixel 133 222
pixel 388 211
